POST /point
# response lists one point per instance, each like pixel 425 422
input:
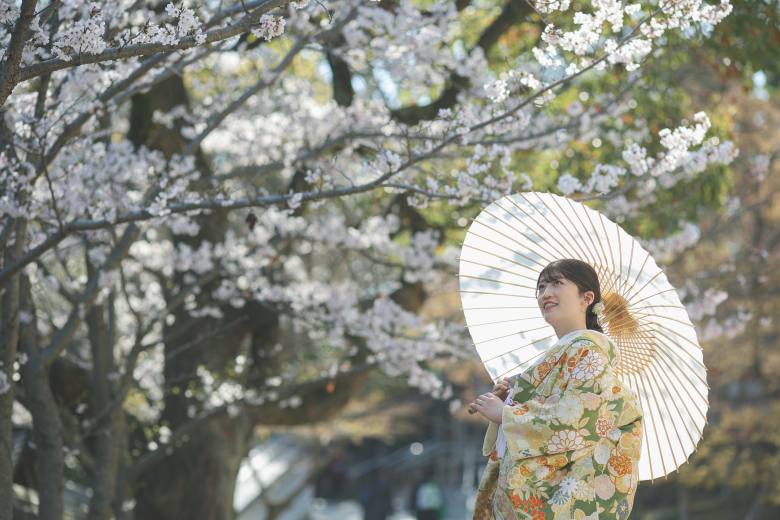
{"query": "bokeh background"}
pixel 288 359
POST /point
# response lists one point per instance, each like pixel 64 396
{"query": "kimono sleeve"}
pixel 566 419
pixel 489 443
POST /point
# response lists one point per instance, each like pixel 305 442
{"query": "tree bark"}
pixel 47 428
pixel 107 445
pixel 9 340
pixel 198 479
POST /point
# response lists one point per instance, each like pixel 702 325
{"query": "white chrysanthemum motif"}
pixel 565 440
pixel 584 491
pixel 598 308
pixel 568 485
pixel 588 367
pixel 569 410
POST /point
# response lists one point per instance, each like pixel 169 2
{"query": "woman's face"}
pixel 560 301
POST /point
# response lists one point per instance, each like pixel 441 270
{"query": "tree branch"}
pixel 145 49
pixel 9 70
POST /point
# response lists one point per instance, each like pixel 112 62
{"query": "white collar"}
pixel 569 335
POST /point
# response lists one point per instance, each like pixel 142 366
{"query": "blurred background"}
pixel 258 416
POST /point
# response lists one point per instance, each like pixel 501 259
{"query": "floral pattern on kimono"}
pixel 573 435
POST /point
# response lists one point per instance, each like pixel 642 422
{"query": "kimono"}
pixel 572 433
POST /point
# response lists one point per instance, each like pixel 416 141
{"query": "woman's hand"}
pixel 500 389
pixel 490 407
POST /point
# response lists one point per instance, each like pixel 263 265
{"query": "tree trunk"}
pixel 198 479
pixel 47 428
pixel 9 339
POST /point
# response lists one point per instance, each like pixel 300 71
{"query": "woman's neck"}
pixel 563 330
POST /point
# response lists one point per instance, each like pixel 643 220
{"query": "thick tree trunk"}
pixel 9 339
pixel 47 428
pixel 108 447
pixel 198 479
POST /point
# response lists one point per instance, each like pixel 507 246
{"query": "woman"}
pixel 565 443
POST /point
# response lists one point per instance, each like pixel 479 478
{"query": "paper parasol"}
pixel 504 250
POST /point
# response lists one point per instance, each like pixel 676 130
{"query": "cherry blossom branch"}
pixel 144 49
pixel 9 70
pixel 145 214
pixel 63 335
pixel 139 215
pixel 276 72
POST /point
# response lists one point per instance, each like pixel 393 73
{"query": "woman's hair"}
pixel 582 275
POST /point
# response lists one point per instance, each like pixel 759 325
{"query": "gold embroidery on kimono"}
pixel 573 436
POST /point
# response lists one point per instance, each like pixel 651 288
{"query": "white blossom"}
pixel 568 184
pixel 269 27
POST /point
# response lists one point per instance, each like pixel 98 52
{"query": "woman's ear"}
pixel 590 297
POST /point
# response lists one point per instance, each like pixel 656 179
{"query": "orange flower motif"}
pixel 615 389
pixel 543 369
pixel 524 471
pixel 520 410
pixel 494 455
pixel 621 464
pixel 603 426
pixel 515 500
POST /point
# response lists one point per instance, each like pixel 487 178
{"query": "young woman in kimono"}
pixel 564 436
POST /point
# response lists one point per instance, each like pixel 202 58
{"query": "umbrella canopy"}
pixel 659 356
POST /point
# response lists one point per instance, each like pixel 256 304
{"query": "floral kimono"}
pixel 571 433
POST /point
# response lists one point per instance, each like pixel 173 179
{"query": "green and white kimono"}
pixel 572 433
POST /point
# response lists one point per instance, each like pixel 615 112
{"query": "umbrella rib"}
pixel 462 291
pixel 596 257
pixel 635 315
pixel 680 307
pixel 497 256
pixel 607 256
pixel 664 429
pixel 681 322
pixel 513 273
pixel 497 281
pixel 676 370
pixel 637 356
pixel 518 348
pixel 620 256
pixel 530 239
pixel 692 343
pixel 595 233
pixel 472 232
pixel 563 226
pixel 665 382
pixel 638 274
pixel 590 254
pixel 655 429
pixel 670 354
pixel 507 237
pixel 645 430
pixel 560 252
pixel 501 321
pixel 624 280
pixel 501 308
pixel 636 293
pixel 506 336
pixel 618 267
pixel 651 373
pixel 671 349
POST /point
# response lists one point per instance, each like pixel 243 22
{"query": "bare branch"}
pixel 146 49
pixel 9 70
